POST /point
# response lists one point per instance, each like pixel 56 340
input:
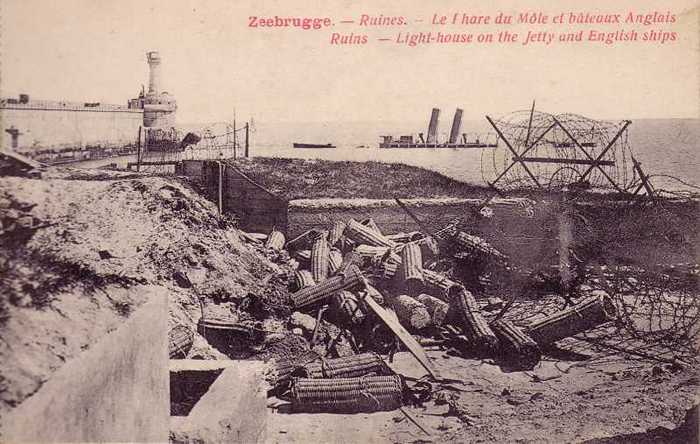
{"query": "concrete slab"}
pixel 232 410
pixel 181 365
pixel 116 391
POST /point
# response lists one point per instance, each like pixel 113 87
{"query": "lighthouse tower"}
pixel 158 107
pixel 154 76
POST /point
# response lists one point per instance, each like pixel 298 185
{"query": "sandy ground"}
pixel 558 401
pixel 61 294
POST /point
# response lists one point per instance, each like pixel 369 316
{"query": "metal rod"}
pixel 247 143
pixel 500 134
pixel 413 420
pixel 529 123
pixel 220 194
pixel 557 160
pixel 602 153
pixel 523 153
pixel 643 177
pixel 138 152
pixel 566 131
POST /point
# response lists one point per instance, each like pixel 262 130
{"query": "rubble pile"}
pixel 356 292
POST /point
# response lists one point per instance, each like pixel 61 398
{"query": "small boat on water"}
pixel 313 145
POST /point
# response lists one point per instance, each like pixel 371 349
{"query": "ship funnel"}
pixel 456 126
pixel 432 128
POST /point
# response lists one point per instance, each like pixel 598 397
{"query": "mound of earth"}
pixel 97 237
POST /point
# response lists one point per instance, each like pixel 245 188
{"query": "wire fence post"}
pixel 138 151
pixel 247 140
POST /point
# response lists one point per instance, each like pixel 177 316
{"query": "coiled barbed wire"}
pixel 538 135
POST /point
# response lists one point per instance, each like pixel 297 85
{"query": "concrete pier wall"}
pixel 70 126
pixel 116 391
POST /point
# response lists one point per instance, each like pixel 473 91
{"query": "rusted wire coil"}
pixel 411 268
pixel 319 259
pixel 346 309
pixel 347 367
pixel 179 341
pixel 350 258
pixel 516 346
pixel 585 315
pixel 362 234
pixel 476 247
pixel 435 284
pixel 347 395
pixel 369 222
pixel 281 371
pixel 336 233
pixel 350 279
pixel 302 279
pixel 404 238
pixel 473 322
pixel 371 252
pixel 389 265
pixel 335 259
pixel 275 241
pixel 411 313
pixel 304 240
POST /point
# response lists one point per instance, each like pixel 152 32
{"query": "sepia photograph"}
pixel 230 221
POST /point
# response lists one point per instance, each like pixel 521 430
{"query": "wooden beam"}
pixel 512 150
pixel 405 337
pixel 573 139
pixel 570 161
pixel 602 153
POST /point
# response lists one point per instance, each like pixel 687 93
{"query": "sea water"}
pixel 663 146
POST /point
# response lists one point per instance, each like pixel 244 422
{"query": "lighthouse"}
pixel 158 106
pixel 153 59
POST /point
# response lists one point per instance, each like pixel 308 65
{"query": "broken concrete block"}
pixel 303 321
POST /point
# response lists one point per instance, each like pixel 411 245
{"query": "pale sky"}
pixel 90 50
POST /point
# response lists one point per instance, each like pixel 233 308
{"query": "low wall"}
pixel 617 231
pixel 389 216
pixel 433 214
pixel 257 208
pixel 116 391
pixel 620 232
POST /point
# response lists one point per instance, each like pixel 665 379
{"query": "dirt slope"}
pixel 65 285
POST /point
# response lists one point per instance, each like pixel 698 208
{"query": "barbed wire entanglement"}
pixel 553 151
pixel 645 261
pixel 162 145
